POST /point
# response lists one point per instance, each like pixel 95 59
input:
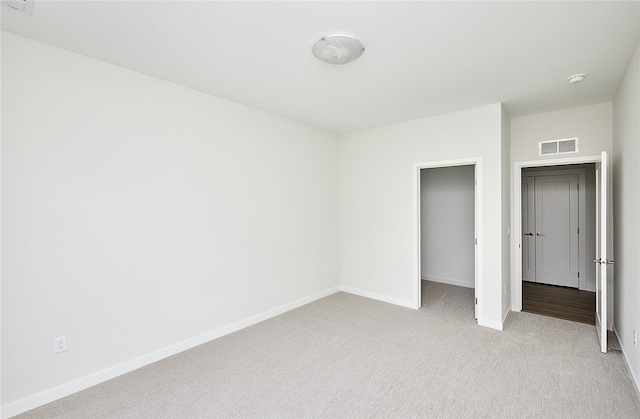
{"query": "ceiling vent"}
pixel 565 145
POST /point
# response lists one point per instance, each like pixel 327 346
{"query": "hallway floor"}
pixel 559 302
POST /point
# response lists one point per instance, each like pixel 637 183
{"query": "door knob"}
pixel 539 234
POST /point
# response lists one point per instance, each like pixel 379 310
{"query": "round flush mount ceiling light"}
pixel 337 49
pixel 576 78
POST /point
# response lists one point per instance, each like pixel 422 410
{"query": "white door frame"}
pixel 477 163
pixel 603 253
pixel 516 203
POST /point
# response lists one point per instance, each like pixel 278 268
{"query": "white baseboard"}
pixel 379 297
pixel 449 281
pixel 634 378
pixel 47 396
pixel 506 314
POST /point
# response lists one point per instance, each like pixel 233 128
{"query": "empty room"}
pixel 319 209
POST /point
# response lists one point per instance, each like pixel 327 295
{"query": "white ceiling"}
pixel 421 59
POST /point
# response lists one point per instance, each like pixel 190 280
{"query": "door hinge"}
pixel 475 241
pixel 578 274
pixel 476 300
pixel 578 230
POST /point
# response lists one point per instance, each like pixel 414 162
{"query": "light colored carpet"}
pixel 350 357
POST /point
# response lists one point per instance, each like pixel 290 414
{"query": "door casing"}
pixel 529 242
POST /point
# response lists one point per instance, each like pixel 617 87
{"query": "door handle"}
pixel 539 234
pixel 528 234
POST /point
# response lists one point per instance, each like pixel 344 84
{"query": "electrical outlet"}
pixel 635 338
pixel 59 344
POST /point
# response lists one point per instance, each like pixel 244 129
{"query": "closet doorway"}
pixel 447 211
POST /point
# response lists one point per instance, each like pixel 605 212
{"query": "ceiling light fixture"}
pixel 576 78
pixel 337 49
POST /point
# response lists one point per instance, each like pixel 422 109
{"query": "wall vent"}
pixel 565 145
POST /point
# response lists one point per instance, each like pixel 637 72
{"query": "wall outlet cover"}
pixel 59 344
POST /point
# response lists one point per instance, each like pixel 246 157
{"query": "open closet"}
pixel 447 231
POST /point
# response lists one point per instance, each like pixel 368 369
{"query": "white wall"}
pixel 376 199
pixel 626 195
pixel 448 225
pixel 592 124
pixel 139 215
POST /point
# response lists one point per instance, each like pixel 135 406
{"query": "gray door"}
pixel 556 232
pixel 528 230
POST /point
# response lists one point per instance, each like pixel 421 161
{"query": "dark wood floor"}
pixel 561 302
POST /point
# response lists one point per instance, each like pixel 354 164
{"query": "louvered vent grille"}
pixel 549 148
pixel 565 145
pixel 568 146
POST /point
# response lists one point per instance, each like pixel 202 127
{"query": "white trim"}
pixel 456 282
pixel 47 396
pixel 417 239
pixel 504 317
pixel 472 161
pixel 479 274
pixel 634 378
pixel 379 297
pixel 516 204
